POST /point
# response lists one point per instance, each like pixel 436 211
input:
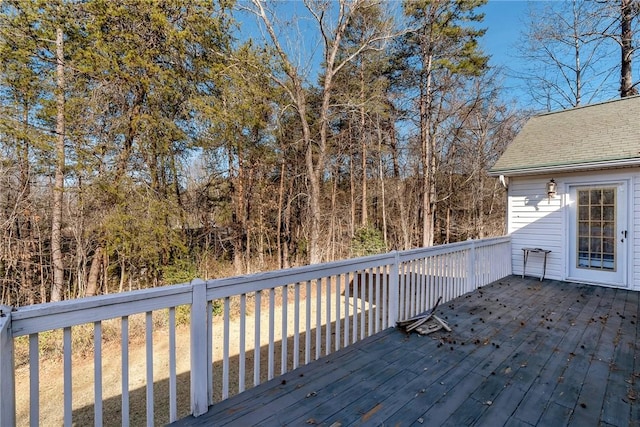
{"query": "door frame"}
pixel 625 261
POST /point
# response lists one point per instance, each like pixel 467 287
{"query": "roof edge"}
pixel 538 170
pixel 584 106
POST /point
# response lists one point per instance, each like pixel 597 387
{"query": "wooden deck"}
pixel 522 352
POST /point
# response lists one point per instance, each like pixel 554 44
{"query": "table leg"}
pixel 544 267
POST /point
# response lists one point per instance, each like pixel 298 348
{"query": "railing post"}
pixel 7 375
pixel 394 290
pixel 507 255
pixel 199 351
pixel 471 267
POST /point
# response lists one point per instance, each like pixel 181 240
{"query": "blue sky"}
pixel 504 21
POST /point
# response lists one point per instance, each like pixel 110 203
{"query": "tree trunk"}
pixel 94 273
pixel 626 77
pixel 363 143
pixel 332 228
pixel 480 221
pixel 352 188
pixel 286 222
pixel 238 221
pixel 58 189
pixel 449 209
pixel 261 226
pixel 382 187
pixel 428 157
pixel 25 227
pixel 398 188
pixel 280 215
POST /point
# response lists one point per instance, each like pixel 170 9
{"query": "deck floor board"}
pixel 521 353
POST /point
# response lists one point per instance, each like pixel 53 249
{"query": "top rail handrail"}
pixel 413 254
pixel 221 288
pixel 28 320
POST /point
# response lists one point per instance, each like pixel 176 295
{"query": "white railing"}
pixel 270 322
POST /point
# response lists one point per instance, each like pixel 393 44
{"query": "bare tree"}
pixel 568 59
pixel 332 26
pixel 567 45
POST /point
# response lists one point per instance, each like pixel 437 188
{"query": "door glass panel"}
pixel 583 198
pixel 596 229
pixel 608 213
pixel 583 211
pixel 609 197
pixel 609 229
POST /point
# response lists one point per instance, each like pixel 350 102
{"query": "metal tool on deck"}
pixel 425 322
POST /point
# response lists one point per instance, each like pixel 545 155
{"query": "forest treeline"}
pixel 149 142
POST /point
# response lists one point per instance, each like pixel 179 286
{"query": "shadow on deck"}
pixel 522 352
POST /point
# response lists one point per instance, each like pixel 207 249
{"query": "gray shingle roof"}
pixel 605 135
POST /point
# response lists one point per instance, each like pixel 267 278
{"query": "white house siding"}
pixel 636 230
pixel 536 221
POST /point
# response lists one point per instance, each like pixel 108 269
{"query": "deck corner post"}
pixel 199 351
pixel 394 289
pixel 7 376
pixel 471 267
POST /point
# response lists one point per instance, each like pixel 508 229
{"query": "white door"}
pixel 598 233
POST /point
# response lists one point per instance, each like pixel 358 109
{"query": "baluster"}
pixel 97 373
pixel 296 327
pixel 225 350
pixel 307 334
pixel 356 286
pixel 209 332
pixel 318 287
pixel 285 308
pixel 68 403
pixel 328 317
pixel 149 351
pixel 370 300
pixel 34 380
pixel 384 282
pixel 124 354
pixel 338 305
pixel 242 357
pixel 173 395
pixel 270 357
pixel 363 298
pixel 347 285
pixel 256 340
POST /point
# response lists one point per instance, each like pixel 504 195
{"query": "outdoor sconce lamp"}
pixel 551 189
